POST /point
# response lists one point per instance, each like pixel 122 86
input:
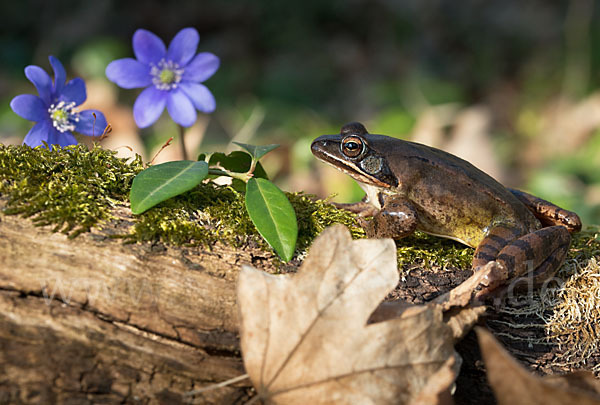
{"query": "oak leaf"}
pixel 305 337
pixel 513 384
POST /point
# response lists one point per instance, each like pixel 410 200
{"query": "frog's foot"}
pixel 535 256
pixel 548 213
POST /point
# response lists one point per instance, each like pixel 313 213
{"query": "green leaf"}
pixel 238 162
pixel 161 182
pixel 273 216
pixel 257 151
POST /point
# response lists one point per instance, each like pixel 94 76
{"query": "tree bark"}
pixel 93 320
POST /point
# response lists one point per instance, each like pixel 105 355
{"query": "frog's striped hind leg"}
pixel 496 240
pixel 548 213
pixel 533 258
pixel 537 255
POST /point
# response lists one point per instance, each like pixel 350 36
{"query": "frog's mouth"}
pixel 322 149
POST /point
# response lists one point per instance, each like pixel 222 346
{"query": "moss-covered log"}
pixel 99 305
pixel 117 308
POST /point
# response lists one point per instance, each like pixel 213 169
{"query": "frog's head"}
pixel 353 151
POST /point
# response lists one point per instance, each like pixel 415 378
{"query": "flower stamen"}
pixel 63 116
pixel 166 75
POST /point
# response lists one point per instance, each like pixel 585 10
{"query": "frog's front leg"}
pixel 537 255
pixel 362 208
pixel 396 219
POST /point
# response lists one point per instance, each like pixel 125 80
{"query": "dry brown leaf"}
pixel 437 390
pixel 305 338
pixel 489 276
pixel 513 384
pixel 583 380
pixel 462 320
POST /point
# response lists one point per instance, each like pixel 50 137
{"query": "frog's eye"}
pixel 352 146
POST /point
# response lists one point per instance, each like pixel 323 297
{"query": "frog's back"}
pixel 453 197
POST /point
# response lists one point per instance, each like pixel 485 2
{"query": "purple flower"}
pixel 171 76
pixel 54 110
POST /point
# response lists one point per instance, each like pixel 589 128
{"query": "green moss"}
pixel 210 213
pixel 432 251
pixel 204 215
pixel 585 244
pixel 315 215
pixel 72 188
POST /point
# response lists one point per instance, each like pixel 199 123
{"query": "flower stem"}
pixel 182 142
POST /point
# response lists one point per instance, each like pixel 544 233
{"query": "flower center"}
pixel 166 75
pixel 63 116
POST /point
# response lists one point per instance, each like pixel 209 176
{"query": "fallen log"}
pixel 92 319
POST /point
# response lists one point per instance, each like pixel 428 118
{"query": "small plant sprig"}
pixel 268 207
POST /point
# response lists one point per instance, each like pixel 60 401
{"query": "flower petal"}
pixel 61 138
pixel 38 133
pixel 60 75
pixel 128 73
pixel 30 107
pixel 183 47
pixel 148 48
pixel 74 90
pixel 203 66
pixel 180 108
pixel 148 106
pixel 90 125
pixel 41 81
pixel 200 96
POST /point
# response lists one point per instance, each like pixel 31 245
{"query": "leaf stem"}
pixel 182 142
pixel 224 172
pixel 252 167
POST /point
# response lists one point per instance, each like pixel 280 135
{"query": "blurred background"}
pixel 510 85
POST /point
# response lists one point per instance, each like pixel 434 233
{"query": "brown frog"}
pixel 411 187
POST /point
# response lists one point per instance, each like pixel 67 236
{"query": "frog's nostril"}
pixel 314 146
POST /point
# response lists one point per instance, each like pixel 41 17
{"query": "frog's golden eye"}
pixel 352 146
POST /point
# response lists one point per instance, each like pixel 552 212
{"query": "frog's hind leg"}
pixel 548 213
pixel 529 259
pixel 537 255
pixel 496 240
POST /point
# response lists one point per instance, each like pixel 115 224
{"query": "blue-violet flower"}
pixel 171 76
pixel 54 111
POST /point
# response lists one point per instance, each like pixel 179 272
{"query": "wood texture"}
pixel 93 320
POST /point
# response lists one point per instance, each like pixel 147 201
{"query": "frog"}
pixel 414 187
